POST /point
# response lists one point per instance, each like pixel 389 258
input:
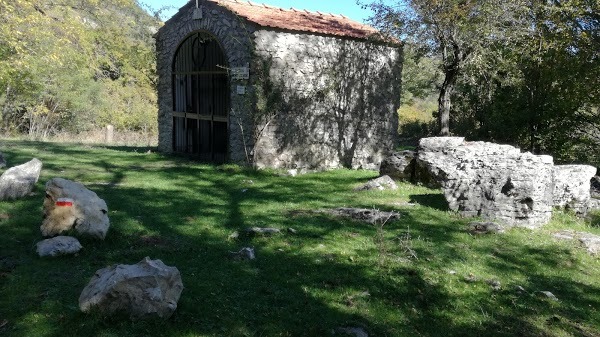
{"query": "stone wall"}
pixel 235 38
pixel 339 100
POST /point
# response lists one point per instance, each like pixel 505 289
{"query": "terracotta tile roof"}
pixel 298 20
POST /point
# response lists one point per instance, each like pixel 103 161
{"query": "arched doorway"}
pixel 200 98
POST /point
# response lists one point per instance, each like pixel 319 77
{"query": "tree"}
pixel 543 91
pixel 456 31
pixel 71 65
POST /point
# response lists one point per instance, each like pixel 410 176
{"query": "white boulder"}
pixel 572 187
pixel 147 289
pixel 59 245
pixel 18 181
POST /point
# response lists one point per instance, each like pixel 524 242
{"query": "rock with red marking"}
pixel 69 205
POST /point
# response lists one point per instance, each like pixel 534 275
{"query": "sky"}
pixel 348 8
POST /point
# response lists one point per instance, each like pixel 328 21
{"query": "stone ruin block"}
pixel 495 181
pixel 489 180
pixel 572 187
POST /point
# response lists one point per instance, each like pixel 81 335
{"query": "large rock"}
pixel 18 181
pixel 572 187
pixel 59 245
pixel 488 180
pixel 399 165
pixel 88 214
pixel 147 289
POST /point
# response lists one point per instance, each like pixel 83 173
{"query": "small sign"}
pixel 240 73
pixel 241 90
pixel 197 15
pixel 65 202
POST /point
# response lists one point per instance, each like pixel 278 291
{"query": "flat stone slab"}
pixel 485 227
pixel 590 241
pixel 59 245
pixel 372 216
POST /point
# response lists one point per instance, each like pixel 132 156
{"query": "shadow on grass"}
pixel 594 218
pixel 435 201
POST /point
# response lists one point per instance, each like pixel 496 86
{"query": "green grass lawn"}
pixel 422 275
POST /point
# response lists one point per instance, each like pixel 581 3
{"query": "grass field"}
pixel 422 275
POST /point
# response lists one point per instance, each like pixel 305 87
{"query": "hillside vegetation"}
pixel 71 65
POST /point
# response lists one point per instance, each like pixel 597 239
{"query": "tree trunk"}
pixel 445 100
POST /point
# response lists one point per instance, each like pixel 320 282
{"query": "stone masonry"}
pixel 339 101
pixel 338 95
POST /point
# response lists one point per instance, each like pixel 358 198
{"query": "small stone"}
pixel 262 231
pixel 292 231
pixel 520 289
pixel 452 272
pixel 485 228
pixel 245 253
pixel 495 284
pixel 60 245
pixel 351 331
pixel 381 183
pixel 471 278
pixel 2 160
pixel 233 236
pixel 548 294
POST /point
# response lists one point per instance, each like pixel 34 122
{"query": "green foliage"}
pixel 519 72
pixel 456 32
pixel 542 93
pixel 76 65
pixel 418 276
pixel 418 102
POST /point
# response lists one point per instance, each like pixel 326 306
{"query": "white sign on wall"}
pixel 240 73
